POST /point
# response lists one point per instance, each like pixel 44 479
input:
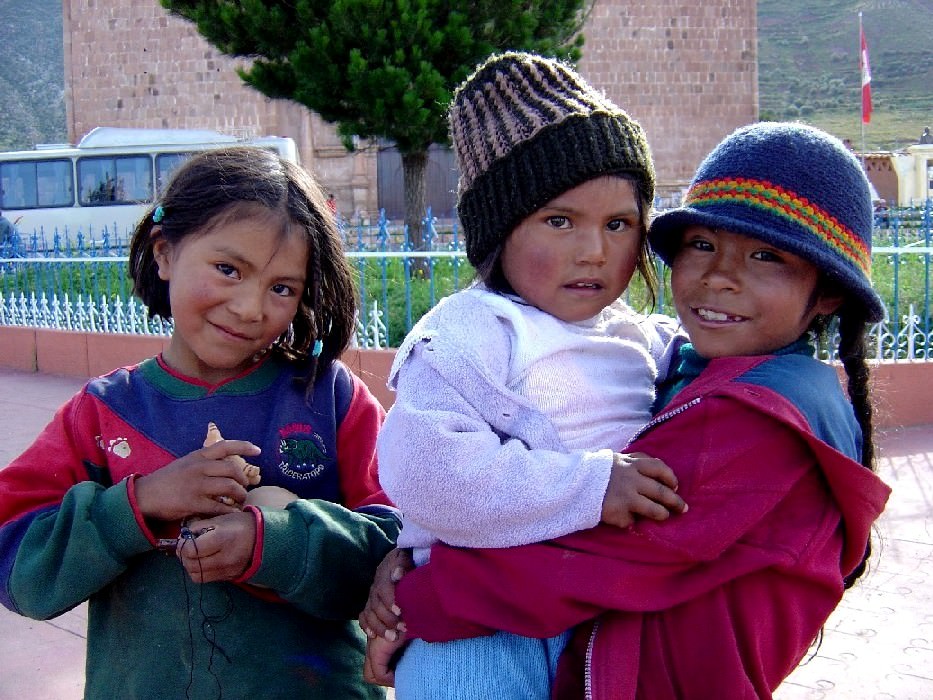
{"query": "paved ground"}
pixel 878 644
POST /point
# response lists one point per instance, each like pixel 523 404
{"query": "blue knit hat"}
pixel 792 186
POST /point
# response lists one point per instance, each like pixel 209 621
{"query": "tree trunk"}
pixel 414 166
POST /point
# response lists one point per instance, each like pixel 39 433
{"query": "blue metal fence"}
pixel 72 282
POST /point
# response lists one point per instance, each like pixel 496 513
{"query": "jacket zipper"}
pixel 666 415
pixel 588 668
pixel 591 643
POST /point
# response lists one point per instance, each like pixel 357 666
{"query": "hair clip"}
pixel 318 348
pixel 158 214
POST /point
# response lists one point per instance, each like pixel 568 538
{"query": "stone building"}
pixel 686 71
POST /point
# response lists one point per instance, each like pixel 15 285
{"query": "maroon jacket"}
pixel 721 602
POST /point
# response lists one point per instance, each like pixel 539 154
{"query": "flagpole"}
pixel 861 58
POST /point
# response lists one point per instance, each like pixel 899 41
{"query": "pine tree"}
pixel 381 68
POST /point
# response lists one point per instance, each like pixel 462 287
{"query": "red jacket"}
pixel 721 602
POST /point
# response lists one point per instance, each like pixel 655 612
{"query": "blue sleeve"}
pixel 814 388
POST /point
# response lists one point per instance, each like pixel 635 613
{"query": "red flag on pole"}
pixel 866 75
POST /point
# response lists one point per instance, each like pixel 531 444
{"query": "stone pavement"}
pixel 878 645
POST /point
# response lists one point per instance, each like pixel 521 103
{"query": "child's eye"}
pixel 227 270
pixel 698 244
pixel 620 225
pixel 283 290
pixel 558 221
pixel 767 256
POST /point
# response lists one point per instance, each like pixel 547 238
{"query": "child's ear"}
pixel 161 252
pixel 827 303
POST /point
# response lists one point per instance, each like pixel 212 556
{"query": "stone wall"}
pixel 686 71
pixel 130 63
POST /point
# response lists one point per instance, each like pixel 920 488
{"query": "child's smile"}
pixel 736 295
pixel 710 315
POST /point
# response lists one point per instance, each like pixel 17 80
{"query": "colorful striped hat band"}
pixel 788 205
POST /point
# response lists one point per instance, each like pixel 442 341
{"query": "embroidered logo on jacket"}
pixel 302 452
pixel 119 446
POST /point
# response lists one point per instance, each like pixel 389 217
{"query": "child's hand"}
pixel 202 482
pixel 222 551
pixel 640 485
pixel 381 617
pixel 381 658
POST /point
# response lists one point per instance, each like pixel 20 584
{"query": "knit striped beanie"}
pixel 792 186
pixel 525 129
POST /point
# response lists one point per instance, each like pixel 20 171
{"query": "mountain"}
pixel 32 77
pixel 808 68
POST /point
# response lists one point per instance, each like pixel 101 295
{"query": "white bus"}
pixel 107 180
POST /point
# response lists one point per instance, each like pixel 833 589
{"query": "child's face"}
pixel 736 295
pixel 577 253
pixel 233 291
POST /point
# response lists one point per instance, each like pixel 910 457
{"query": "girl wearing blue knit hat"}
pixel 774 457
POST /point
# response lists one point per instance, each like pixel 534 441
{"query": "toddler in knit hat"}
pixel 515 397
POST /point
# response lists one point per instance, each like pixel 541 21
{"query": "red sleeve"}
pixel 356 448
pixel 731 528
pixel 53 463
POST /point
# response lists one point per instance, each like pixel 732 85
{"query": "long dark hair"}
pixel 221 183
pixel 852 351
pixel 853 354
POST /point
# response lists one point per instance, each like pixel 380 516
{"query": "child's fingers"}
pixel 656 501
pixel 218 549
pixel 377 673
pixel 653 510
pixel 381 658
pixel 396 563
pixel 222 497
pixel 378 621
pixel 653 468
pixel 219 488
pixel 382 617
pixel 219 453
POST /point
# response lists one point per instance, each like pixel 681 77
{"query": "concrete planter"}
pixel 897 386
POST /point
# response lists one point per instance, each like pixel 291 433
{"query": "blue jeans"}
pixel 499 667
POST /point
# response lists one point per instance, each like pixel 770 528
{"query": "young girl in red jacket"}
pixel 771 246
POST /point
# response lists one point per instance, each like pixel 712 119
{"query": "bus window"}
pixel 108 182
pixel 19 184
pixel 114 180
pixel 97 183
pixel 54 183
pixel 134 179
pixel 166 165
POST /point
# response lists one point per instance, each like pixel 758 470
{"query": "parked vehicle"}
pixel 107 180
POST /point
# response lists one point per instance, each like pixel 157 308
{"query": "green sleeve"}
pixel 322 557
pixel 72 551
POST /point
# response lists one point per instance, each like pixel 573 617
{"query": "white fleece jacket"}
pixel 506 418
